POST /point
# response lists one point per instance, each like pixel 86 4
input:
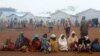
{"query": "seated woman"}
pixel 54 44
pixel 22 43
pixel 36 43
pixel 62 43
pixel 72 41
pixel 20 40
pixel 95 46
pixel 46 46
pixel 26 45
pixel 84 43
pixel 8 45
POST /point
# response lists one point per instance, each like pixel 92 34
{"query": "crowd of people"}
pixel 52 43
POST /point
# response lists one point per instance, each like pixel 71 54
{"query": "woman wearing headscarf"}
pixel 22 43
pixel 72 41
pixel 36 43
pixel 54 43
pixel 8 45
pixel 20 40
pixel 46 46
pixel 67 27
pixel 62 43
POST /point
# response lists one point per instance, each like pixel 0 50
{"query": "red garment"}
pixel 38 43
pixel 34 47
pixel 73 45
pixel 11 46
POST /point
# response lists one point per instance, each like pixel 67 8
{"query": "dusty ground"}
pixel 13 34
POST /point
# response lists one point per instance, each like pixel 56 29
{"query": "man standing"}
pixel 84 27
pixel 50 26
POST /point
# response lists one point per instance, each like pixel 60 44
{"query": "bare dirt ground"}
pixel 13 34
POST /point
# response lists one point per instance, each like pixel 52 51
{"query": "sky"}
pixel 38 7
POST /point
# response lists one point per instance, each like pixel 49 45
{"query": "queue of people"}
pixel 51 44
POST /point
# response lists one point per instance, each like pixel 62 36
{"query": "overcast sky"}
pixel 40 6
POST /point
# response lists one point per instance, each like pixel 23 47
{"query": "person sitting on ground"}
pixel 84 43
pixel 36 43
pixel 54 43
pixel 95 46
pixel 62 43
pixel 22 43
pixel 20 40
pixel 46 46
pixel 26 45
pixel 8 45
pixel 72 41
